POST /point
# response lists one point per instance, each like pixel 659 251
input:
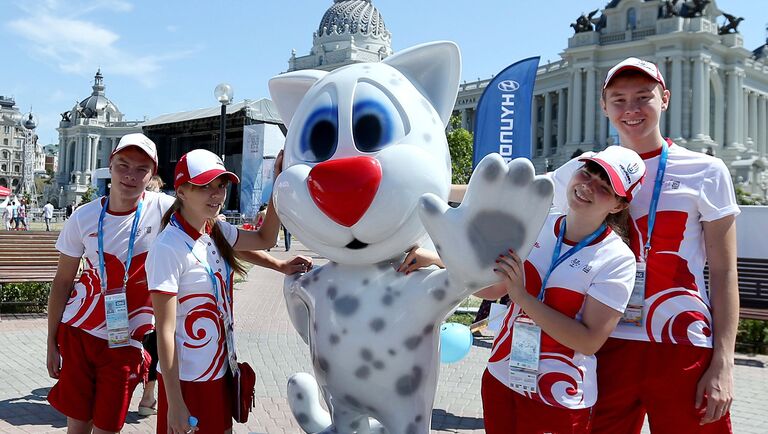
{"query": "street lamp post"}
pixel 224 95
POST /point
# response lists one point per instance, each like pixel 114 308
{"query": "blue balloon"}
pixel 455 342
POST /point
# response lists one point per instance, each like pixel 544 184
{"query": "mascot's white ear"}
pixel 287 91
pixel 435 68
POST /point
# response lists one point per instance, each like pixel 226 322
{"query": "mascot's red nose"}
pixel 344 189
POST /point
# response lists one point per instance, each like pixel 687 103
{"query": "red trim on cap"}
pixel 188 229
pixel 209 175
pixel 658 78
pixel 601 237
pixel 615 178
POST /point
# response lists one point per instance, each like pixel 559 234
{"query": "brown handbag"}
pixel 244 382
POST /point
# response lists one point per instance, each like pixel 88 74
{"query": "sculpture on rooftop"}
pixel 669 9
pixel 584 22
pixel 731 26
pixel 694 8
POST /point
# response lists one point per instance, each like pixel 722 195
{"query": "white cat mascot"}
pixel 366 170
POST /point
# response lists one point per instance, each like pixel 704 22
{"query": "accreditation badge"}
pixel 229 338
pixel 116 310
pixel 524 356
pixel 633 314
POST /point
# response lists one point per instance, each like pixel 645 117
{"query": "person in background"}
pixel 48 215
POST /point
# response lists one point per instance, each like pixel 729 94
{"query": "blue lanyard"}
pixel 557 259
pixel 211 274
pixel 655 198
pixel 131 241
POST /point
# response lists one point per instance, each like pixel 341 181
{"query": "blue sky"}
pixel 166 56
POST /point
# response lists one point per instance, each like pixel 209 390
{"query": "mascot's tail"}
pixel 305 403
pixel 304 400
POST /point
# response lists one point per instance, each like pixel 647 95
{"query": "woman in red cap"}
pixel 190 271
pixel 566 298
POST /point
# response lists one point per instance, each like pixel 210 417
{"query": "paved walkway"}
pixel 267 340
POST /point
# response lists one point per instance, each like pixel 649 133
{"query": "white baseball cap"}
pixel 648 68
pixel 140 141
pixel 625 168
pixel 199 167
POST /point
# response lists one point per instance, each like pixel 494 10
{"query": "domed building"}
pixel 87 134
pixel 350 31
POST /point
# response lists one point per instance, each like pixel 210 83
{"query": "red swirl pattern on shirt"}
pixel 88 303
pixel 678 316
pixel 559 381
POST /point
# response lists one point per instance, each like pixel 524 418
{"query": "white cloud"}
pixel 76 45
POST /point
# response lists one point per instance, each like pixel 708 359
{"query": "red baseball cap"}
pixel 199 167
pixel 625 168
pixel 648 68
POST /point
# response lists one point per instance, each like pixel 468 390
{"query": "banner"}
pixel 261 143
pixel 503 114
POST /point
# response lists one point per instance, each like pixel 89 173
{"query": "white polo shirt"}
pixel 696 188
pixel 85 307
pixel 603 270
pixel 174 267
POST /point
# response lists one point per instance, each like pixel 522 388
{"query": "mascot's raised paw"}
pixel 504 208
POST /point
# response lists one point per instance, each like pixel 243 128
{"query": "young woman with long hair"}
pixel 190 272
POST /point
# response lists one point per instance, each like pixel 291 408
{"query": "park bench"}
pixel 27 256
pixel 753 287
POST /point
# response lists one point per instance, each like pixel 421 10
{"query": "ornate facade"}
pixel 719 88
pixel 87 135
pixel 350 31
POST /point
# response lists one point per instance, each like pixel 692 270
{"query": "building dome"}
pixel 97 103
pixel 352 17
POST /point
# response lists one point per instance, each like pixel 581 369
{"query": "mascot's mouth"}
pixel 356 245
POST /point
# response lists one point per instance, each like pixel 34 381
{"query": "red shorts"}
pixel 209 401
pixel 508 412
pixel 635 378
pixel 96 382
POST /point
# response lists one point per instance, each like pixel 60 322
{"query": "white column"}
pixel 561 114
pixel 676 102
pixel 745 116
pixel 589 109
pixel 79 154
pixel 464 119
pixel 88 153
pixel 547 123
pixel 761 121
pixel 534 125
pixel 603 132
pixel 753 118
pixel 698 100
pixel 662 64
pixel 706 87
pixel 94 154
pixel 576 124
pixel 732 112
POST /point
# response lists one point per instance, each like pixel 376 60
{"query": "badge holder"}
pixel 524 356
pixel 633 314
pixel 116 310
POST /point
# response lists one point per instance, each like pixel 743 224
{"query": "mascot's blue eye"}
pixel 320 135
pixel 371 126
pixel 376 120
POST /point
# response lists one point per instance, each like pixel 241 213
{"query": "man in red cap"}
pixel 672 355
pixel 96 326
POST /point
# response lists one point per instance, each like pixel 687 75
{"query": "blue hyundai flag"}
pixel 503 115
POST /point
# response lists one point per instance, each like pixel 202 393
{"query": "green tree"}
pixel 88 196
pixel 460 147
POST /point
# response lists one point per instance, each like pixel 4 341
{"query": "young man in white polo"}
pixel 672 356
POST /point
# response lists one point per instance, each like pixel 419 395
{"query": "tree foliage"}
pixel 744 198
pixel 88 195
pixel 460 147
